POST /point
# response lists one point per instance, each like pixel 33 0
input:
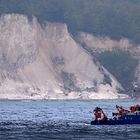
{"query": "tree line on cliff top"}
pixel 113 18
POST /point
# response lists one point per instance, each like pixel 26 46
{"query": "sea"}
pixel 62 120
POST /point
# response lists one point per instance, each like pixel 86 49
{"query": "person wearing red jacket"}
pixel 99 114
pixel 121 110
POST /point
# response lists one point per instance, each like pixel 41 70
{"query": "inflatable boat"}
pixel 121 117
pixel 126 119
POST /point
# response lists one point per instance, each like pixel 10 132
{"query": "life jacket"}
pixel 133 109
pixel 122 110
pixel 98 116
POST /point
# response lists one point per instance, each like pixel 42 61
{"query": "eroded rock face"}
pixel 98 45
pixel 46 62
pixel 19 41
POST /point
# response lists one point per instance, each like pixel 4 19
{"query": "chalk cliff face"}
pixel 100 45
pixel 47 63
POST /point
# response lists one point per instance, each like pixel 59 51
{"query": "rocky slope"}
pixel 45 62
pixel 101 45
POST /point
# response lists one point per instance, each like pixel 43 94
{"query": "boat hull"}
pixel 130 119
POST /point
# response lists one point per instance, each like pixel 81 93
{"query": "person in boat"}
pixel 99 114
pixel 122 111
pixel 132 109
pixel 135 109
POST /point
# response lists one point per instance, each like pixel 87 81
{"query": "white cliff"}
pixel 47 63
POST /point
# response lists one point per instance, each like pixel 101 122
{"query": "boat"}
pixel 126 119
pixel 130 117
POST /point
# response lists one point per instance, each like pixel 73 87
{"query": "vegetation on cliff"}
pixel 112 18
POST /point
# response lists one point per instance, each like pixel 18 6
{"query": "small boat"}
pixel 122 117
pixel 125 119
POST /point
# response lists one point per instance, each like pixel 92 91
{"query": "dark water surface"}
pixel 62 120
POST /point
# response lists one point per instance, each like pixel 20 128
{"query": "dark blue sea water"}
pixel 61 120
